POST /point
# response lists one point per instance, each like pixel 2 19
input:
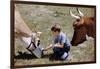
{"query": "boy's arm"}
pixel 50 46
pixel 59 45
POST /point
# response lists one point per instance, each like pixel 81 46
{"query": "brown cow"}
pixel 83 27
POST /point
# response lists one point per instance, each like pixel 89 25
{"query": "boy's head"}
pixel 56 29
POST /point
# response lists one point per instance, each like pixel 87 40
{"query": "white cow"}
pixel 23 32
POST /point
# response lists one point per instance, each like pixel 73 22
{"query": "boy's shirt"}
pixel 62 39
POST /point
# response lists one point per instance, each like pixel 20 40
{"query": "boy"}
pixel 61 45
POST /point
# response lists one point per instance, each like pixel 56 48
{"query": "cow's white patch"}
pixel 89 38
pixel 27 41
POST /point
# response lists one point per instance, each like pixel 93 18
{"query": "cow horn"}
pixel 77 17
pixel 81 14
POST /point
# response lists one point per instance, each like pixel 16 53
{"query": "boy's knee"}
pixel 55 49
pixel 58 51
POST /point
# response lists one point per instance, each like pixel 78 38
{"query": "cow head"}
pixel 36 38
pixel 33 41
pixel 80 31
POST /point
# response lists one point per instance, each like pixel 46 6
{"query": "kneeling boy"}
pixel 61 45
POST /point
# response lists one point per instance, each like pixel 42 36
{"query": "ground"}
pixel 41 18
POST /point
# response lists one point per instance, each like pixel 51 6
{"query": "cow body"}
pixel 83 26
pixel 21 29
pixel 90 25
pixel 23 32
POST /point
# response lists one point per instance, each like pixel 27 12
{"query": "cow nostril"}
pixel 75 23
pixel 74 27
pixel 73 43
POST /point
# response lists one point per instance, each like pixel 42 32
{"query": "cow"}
pixel 22 32
pixel 84 27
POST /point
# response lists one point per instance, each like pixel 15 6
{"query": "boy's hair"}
pixel 56 27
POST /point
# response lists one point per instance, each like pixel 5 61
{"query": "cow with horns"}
pixel 84 27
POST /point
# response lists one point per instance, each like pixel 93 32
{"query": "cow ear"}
pixel 38 34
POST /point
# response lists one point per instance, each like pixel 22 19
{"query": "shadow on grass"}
pixel 25 55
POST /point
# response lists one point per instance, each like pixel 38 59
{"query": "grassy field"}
pixel 41 18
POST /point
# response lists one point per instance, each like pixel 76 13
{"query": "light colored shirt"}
pixel 62 39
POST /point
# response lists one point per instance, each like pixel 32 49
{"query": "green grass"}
pixel 41 18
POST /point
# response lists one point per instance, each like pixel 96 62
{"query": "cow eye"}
pixel 78 20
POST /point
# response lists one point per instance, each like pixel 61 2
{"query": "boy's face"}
pixel 55 33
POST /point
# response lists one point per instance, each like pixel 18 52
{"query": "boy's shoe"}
pixel 64 56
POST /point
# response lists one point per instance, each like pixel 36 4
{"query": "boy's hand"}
pixel 56 45
pixel 43 49
pixel 50 46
